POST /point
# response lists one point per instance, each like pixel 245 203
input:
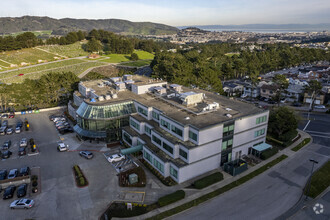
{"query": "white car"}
pixel 116 158
pixel 22 204
pixel 319 106
pixel 23 142
pixel 62 147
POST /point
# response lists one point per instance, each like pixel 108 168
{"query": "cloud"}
pixel 176 13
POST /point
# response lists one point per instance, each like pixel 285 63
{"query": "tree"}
pixel 134 57
pixel 282 120
pixel 314 87
pixel 282 85
pixel 94 45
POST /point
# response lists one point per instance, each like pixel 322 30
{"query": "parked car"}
pixel 23 142
pixel 9 192
pixel 3 130
pixel 19 124
pixel 6 154
pixel 66 130
pixel 86 154
pixel 116 158
pixel 4 116
pixel 10 131
pixel 3 174
pixel 319 106
pixel 21 190
pixel 62 147
pixel 12 173
pixel 21 151
pixel 297 104
pixel 22 204
pixel 18 130
pixel 6 145
pixel 24 171
pixel 11 115
pixel 5 123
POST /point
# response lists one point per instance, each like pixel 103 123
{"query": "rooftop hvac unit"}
pixel 114 96
pixel 229 115
pixel 228 109
pixel 107 97
pixel 101 98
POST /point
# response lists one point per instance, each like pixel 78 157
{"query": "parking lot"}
pixel 59 196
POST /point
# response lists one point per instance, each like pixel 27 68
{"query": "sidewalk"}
pixel 198 193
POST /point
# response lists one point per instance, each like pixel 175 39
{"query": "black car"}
pixel 3 174
pixel 21 151
pixel 21 190
pixel 19 124
pixel 24 171
pixel 6 145
pixel 6 154
pixel 9 192
pixel 66 130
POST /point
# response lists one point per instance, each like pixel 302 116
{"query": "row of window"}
pixel 173 172
pixel 142 111
pixel 168 148
pixel 259 132
pixel 261 119
pixel 183 153
pixel 227 144
pixel 170 127
pixel 192 135
pixel 157 140
pixel 160 166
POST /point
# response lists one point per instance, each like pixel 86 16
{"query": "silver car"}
pixel 23 142
pixel 22 204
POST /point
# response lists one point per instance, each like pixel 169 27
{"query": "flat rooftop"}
pixel 228 108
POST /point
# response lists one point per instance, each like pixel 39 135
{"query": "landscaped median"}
pixel 320 180
pixel 301 144
pixel 219 191
pixel 81 180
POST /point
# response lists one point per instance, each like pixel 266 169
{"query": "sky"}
pixel 177 12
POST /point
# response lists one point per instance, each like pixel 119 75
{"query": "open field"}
pixel 37 33
pixel 71 50
pixel 76 66
pixel 144 55
pixel 28 55
pixel 118 58
pixel 138 63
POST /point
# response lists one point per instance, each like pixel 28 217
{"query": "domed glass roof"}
pixel 105 111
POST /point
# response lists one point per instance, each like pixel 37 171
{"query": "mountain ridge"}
pixel 64 25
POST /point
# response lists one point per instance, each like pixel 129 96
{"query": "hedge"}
pixel 81 180
pixel 268 153
pixel 170 198
pixel 208 180
pixel 301 144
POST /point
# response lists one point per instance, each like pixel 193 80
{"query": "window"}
pixel 165 124
pixel 259 132
pixel 177 130
pixel 157 140
pixel 261 119
pixel 142 111
pixel 135 125
pixel 127 138
pixel 173 172
pixel 183 153
pixel 228 129
pixel 158 165
pixel 227 144
pixel 147 156
pixel 155 115
pixel 192 135
pixel 167 147
pixel 147 130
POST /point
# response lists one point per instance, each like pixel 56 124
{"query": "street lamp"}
pixel 310 178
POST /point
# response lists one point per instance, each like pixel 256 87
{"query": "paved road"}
pixel 273 192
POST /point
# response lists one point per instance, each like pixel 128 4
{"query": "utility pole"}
pixel 310 178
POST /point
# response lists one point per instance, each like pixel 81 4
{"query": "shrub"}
pixel 268 153
pixel 170 198
pixel 288 136
pixel 208 180
pixel 82 181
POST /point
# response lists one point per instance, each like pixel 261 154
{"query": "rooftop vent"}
pixel 107 97
pixel 100 84
pixel 229 115
pixel 101 98
pixel 114 96
pixel 187 118
pixel 228 109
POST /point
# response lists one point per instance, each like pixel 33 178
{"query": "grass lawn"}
pixel 4 64
pixel 119 58
pixel 232 54
pixel 138 63
pixel 320 180
pixel 71 50
pixel 75 66
pixel 144 55
pixel 28 55
pixel 301 144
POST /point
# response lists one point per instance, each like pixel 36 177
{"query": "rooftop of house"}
pixel 205 109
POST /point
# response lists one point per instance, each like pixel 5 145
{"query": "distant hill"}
pixel 10 25
pixel 273 27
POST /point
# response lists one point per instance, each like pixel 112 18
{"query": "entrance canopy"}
pixel 131 150
pixel 262 147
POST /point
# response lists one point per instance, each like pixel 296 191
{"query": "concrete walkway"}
pixel 192 194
